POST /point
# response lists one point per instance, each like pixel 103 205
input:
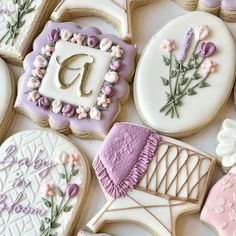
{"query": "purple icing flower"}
pixel 53 36
pixel 207 49
pixel 188 37
pixel 92 41
pixel 72 190
pixel 68 110
pixel 44 103
pixel 108 90
pixel 115 65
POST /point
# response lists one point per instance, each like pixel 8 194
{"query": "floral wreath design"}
pixel 70 165
pixel 68 110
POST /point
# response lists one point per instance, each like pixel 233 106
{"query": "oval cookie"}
pixel 44 180
pixel 149 179
pixel 7 91
pixel 185 77
pixel 76 79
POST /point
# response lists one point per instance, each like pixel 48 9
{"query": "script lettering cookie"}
pixel 148 179
pixel 118 12
pixel 219 211
pixel 44 180
pixel 180 73
pixel 20 21
pixel 223 8
pixel 7 90
pixel 75 79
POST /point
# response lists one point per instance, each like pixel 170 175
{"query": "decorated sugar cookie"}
pixel 148 179
pixel 223 8
pixel 76 79
pixel 219 211
pixel 118 12
pixel 20 21
pixel 180 73
pixel 227 145
pixel 84 233
pixel 43 183
pixel 7 90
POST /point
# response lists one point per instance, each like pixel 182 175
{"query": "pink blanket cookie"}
pixel 219 211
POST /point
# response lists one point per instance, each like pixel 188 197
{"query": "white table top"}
pixel 147 21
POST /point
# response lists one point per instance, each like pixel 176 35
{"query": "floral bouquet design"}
pixel 187 76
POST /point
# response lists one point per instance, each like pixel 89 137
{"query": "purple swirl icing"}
pixel 44 103
pixel 68 110
pixel 85 126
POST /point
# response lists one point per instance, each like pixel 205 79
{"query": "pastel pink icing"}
pixel 219 210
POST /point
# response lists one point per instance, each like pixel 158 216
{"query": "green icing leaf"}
pixel 42 227
pixel 62 175
pixel 47 203
pixel 191 92
pixel 165 81
pixel 173 73
pixel 166 60
pixel 196 76
pixel 184 81
pixel 55 225
pixel 47 220
pixel 67 208
pixel 203 85
pixel 60 192
pixel 75 172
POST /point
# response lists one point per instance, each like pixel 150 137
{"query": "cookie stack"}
pixel 76 81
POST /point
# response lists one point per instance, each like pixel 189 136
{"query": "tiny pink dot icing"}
pixel 219 211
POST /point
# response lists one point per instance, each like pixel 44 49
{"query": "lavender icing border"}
pixel 58 121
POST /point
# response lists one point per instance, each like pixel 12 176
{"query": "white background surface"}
pixel 147 21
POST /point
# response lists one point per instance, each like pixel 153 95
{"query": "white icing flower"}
pixel 201 32
pixel 226 149
pixel 105 44
pixel 65 34
pixel 117 51
pixel 33 96
pixel 33 83
pixel 82 112
pixel 40 62
pixel 95 114
pixel 112 77
pixel 57 106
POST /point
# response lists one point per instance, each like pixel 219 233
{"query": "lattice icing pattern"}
pixel 174 182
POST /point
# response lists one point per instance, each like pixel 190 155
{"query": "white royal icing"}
pixel 119 10
pixel 47 146
pixel 5 90
pixel 50 86
pixel 198 110
pixel 8 12
pixel 226 148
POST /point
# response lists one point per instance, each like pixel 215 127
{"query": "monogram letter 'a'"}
pixel 82 72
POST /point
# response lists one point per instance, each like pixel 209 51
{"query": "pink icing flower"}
pixel 47 50
pixel 232 215
pixel 168 45
pixel 103 101
pixel 78 38
pixel 33 96
pixel 117 51
pixel 209 66
pixel 72 190
pixel 82 112
pixel 48 190
pixel 38 72
pixel 74 159
pixel 108 90
pixel 44 103
pixel 217 206
pixel 62 158
pixel 40 62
